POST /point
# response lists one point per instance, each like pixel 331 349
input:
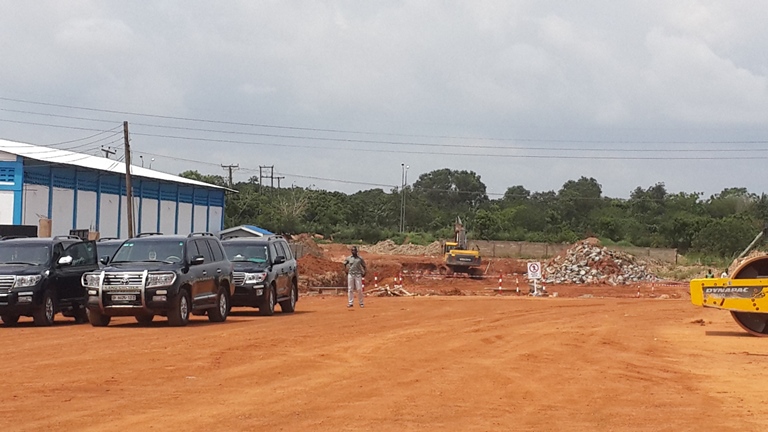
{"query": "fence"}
pixel 509 249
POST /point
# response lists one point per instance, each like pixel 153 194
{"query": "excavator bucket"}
pixel 744 294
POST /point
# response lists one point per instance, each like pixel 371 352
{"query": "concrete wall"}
pixel 502 249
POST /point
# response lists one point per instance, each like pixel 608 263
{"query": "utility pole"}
pixel 403 183
pixel 107 152
pixel 128 187
pixel 278 180
pixel 271 175
pixel 230 168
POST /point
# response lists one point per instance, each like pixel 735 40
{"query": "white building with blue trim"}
pixel 79 191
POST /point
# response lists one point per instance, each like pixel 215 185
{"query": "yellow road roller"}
pixel 743 293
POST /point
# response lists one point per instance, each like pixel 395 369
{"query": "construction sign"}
pixel 534 270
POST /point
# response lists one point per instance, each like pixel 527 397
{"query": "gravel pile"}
pixel 587 263
pixel 388 247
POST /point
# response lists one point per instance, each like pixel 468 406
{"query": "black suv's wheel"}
pixel 10 320
pixel 221 311
pixel 44 315
pixel 81 316
pixel 97 319
pixel 178 316
pixel 145 318
pixel 267 306
pixel 289 305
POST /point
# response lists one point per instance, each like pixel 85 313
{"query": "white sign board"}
pixel 534 270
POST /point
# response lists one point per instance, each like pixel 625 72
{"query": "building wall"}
pixel 89 199
pixel 86 210
pixel 168 216
pixel 11 189
pixel 63 210
pixel 6 207
pixel 108 215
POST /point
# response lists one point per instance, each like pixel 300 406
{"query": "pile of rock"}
pixel 388 247
pixel 587 263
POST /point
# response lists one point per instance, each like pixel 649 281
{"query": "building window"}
pixel 7 174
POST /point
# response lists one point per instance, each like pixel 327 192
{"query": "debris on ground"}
pixel 386 291
pixel 388 247
pixel 587 263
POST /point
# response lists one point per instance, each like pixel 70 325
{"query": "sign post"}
pixel 534 273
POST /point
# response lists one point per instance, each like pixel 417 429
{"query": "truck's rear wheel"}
pixel 10 320
pixel 145 318
pixel 97 319
pixel 221 311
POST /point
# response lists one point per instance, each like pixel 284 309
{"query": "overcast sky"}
pixel 522 92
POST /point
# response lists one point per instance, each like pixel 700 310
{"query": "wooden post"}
pixel 128 188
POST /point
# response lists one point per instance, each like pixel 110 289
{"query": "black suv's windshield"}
pixel 30 253
pixel 107 249
pixel 143 250
pixel 246 252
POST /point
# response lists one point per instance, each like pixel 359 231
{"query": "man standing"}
pixel 355 267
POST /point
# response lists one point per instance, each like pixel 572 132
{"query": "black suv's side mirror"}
pixel 279 259
pixel 65 261
pixel 197 260
pixel 104 260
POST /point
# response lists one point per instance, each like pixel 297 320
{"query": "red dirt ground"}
pixel 401 364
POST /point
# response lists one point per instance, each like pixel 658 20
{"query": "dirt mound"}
pixel 586 263
pixel 317 271
pixel 388 247
pixel 306 245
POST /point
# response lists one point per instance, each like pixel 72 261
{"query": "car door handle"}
pixel 205 273
pixel 218 271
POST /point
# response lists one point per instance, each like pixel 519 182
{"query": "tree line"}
pixel 721 225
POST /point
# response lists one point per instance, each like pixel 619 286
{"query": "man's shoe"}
pixel 362 306
pixel 350 305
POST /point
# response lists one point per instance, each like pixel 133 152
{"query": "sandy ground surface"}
pixel 470 363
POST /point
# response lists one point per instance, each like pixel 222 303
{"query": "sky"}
pixel 340 95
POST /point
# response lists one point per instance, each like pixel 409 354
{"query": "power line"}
pixel 443 145
pixel 326 130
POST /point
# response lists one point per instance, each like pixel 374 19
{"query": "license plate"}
pixel 123 297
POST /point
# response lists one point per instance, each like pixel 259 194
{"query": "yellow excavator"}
pixel 743 292
pixel 458 257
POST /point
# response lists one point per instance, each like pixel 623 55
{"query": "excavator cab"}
pixel 458 257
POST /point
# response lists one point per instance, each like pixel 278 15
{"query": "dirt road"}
pixel 401 364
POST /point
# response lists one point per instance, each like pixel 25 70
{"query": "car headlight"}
pixel 26 281
pixel 90 280
pixel 160 279
pixel 253 278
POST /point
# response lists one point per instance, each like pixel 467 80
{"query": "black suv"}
pixel 265 273
pixel 168 275
pixel 107 246
pixel 41 276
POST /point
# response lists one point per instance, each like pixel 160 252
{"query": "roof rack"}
pixel 108 238
pixel 207 234
pixel 71 237
pixel 11 237
pixel 148 234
